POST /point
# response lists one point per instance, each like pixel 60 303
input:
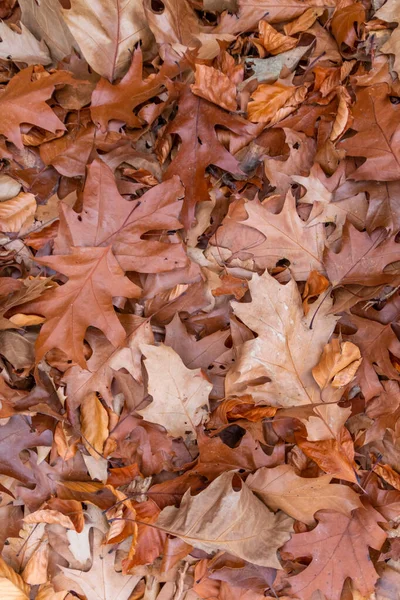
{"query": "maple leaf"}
pixel 338 547
pixel 24 101
pixel 195 124
pixel 254 535
pixel 107 33
pixel 180 395
pixel 126 222
pixel 301 497
pixel 94 278
pixel 286 348
pixel 376 120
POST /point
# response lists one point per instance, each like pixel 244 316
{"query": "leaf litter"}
pixel 199 300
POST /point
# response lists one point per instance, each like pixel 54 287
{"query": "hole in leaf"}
pixel 157 6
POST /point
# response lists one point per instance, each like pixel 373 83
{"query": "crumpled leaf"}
pixel 94 425
pixel 254 535
pixel 17 211
pixel 215 86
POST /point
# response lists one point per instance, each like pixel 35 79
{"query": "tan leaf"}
pixel 343 117
pixel 50 517
pixel 94 424
pixel 180 395
pixel 267 100
pixel 44 20
pixel 215 86
pixel 9 187
pixel 301 497
pixel 273 41
pixel 35 571
pixel 254 533
pixel 15 212
pixel 12 586
pixel 22 47
pixel 107 32
pixel 286 347
pixel 338 365
pixel 21 320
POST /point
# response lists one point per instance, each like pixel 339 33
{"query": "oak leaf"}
pixel 24 101
pixel 107 33
pixel 180 395
pixel 195 124
pixel 286 348
pixel 301 497
pixel 102 581
pixel 338 547
pixel 95 277
pixel 254 534
pixel 376 120
pixel 126 222
pixel 363 258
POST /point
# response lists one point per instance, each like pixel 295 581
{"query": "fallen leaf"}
pixel 254 535
pixel 16 212
pixel 180 395
pixel 22 47
pixel 94 425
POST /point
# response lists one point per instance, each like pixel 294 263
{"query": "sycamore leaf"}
pixel 95 277
pixel 22 47
pixel 180 395
pixel 254 534
pixel 301 497
pixel 94 424
pixel 102 581
pixel 286 348
pixel 24 101
pixel 43 18
pixel 126 222
pixel 107 33
pixel 17 211
pixel 195 124
pixel 338 547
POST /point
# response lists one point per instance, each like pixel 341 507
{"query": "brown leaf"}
pixel 180 395
pixel 200 521
pixel 338 365
pixel 338 547
pixel 316 284
pixel 273 41
pixel 11 584
pixel 98 279
pixel 106 33
pixel 94 424
pixel 301 497
pixel 214 86
pixel 272 103
pixel 17 212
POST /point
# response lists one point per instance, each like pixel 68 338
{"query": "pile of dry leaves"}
pixel 199 299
